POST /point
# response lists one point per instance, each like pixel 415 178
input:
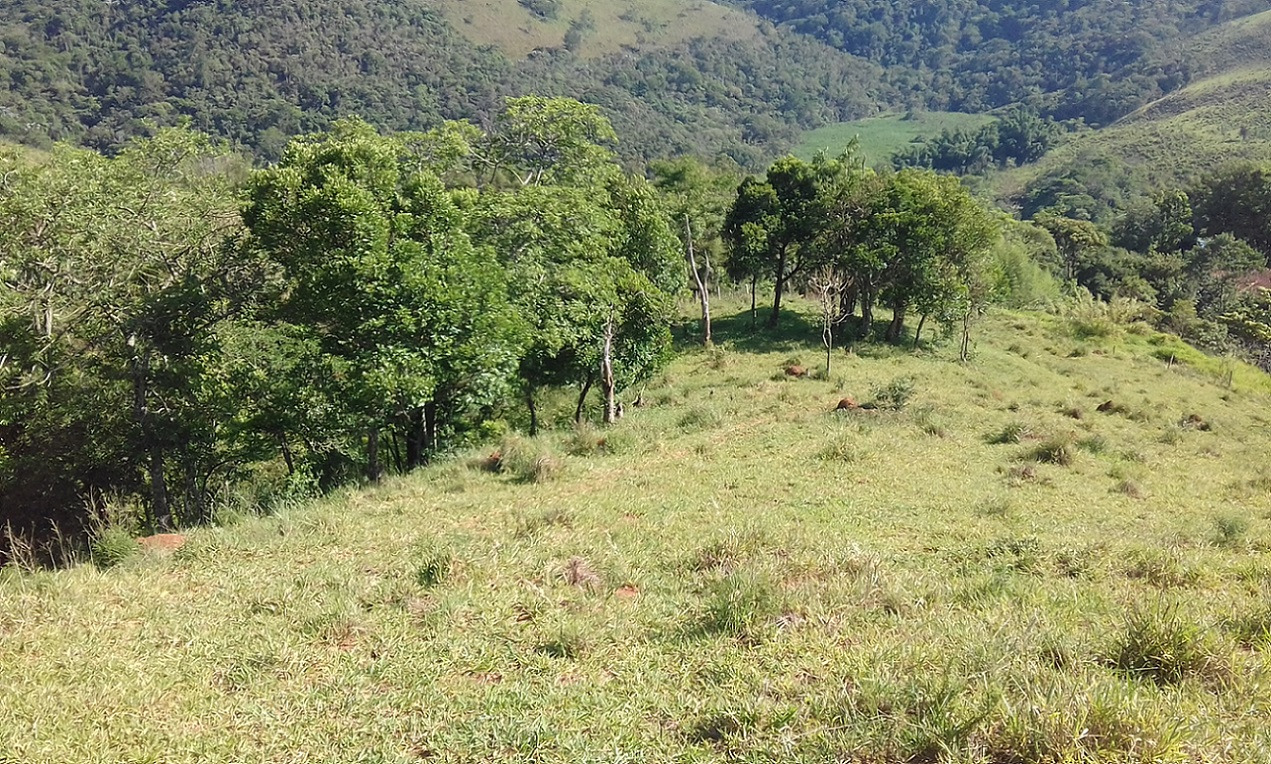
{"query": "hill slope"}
pixel 998 572
pixel 699 78
pixel 1223 115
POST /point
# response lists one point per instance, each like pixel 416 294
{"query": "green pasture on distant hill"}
pixel 880 137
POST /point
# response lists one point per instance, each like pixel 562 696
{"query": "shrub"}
pixel 894 395
pixel 527 459
pixel 112 546
pixel 1160 644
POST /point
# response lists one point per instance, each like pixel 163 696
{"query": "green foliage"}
pixel 739 603
pixel 113 546
pixel 1018 137
pixel 529 460
pixel 894 395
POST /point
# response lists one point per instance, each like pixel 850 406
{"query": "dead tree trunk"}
pixel 703 287
pixel 606 374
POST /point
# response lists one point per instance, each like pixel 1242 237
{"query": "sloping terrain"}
pixel 1223 115
pixel 1058 552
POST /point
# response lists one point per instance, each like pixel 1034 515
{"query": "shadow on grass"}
pixel 797 330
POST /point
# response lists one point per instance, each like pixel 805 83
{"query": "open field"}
pixel 882 136
pixel 618 24
pixel 995 571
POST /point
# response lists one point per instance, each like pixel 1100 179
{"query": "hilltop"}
pixel 992 566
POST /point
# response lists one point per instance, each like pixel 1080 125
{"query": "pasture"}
pixel 979 566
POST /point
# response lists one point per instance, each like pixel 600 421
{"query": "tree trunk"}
pixel 848 299
pixel 867 313
pixel 754 312
pixel 703 288
pixel 415 437
pixel 964 352
pixel 286 453
pixel 373 455
pixel 582 400
pixel 778 289
pixel 606 374
pixel 159 490
pixel 532 406
pixel 430 431
pixel 897 326
pixel 918 332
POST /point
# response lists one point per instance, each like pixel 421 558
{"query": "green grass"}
pixel 751 577
pixel 618 24
pixel 880 137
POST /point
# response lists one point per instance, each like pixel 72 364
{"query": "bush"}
pixel 894 395
pixel 112 546
pixel 527 459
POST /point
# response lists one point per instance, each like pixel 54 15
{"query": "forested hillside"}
pixel 1078 58
pixel 258 73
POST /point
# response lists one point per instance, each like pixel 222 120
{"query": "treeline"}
pixel 99 75
pixel 1074 58
pixel 1196 255
pixel 913 241
pixel 171 324
pixel 1019 136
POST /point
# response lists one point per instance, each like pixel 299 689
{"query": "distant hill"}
pixel 1223 115
pixel 697 78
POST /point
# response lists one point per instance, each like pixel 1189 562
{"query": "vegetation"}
pixel 994 609
pixel 361 314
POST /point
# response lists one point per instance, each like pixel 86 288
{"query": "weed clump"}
pixel 434 564
pixel 700 418
pixel 1230 529
pixel 527 460
pixel 528 525
pixel 1160 644
pixel 1015 432
pixel 112 547
pixel 1060 450
pixel 842 449
pixel 739 603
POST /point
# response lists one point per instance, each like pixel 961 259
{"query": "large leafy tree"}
pixel 378 269
pixel 772 227
pixel 115 275
pixel 590 256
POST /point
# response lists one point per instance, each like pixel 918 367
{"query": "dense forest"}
pixel 1090 60
pixel 98 74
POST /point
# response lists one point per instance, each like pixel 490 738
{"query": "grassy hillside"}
pixel 882 136
pixel 996 572
pixel 1223 115
pixel 617 24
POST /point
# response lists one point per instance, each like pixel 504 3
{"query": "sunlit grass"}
pixel 750 576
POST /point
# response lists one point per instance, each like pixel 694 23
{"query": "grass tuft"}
pixel 1161 643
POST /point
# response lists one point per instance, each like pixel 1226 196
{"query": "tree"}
pixel 773 224
pixel 378 270
pixel 1073 238
pixel 115 276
